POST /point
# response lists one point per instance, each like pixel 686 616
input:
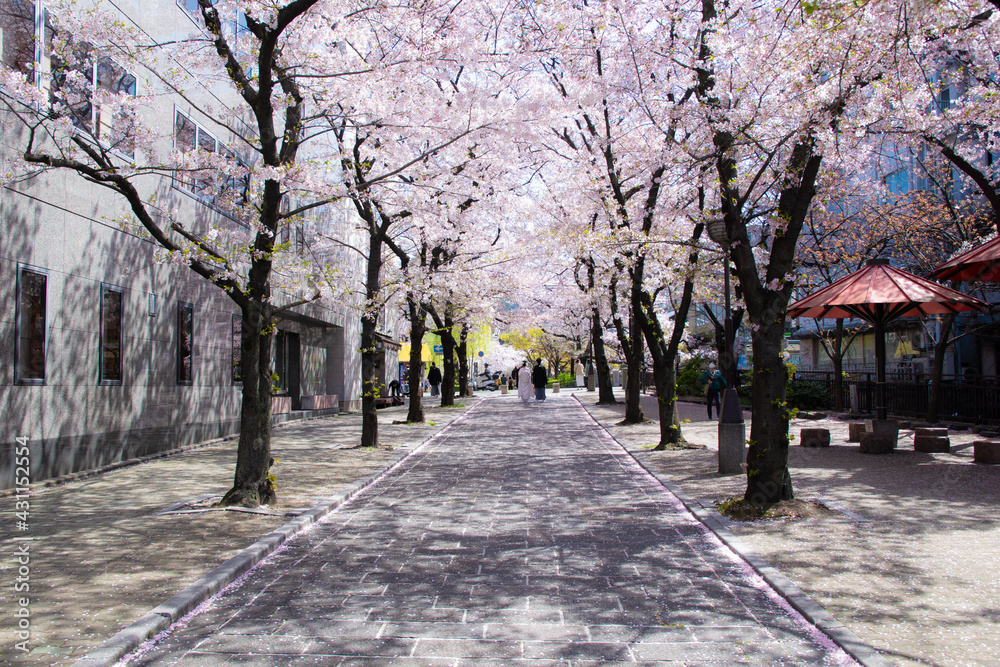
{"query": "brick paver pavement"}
pixel 103 553
pixel 520 535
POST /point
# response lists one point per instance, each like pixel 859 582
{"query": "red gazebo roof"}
pixel 880 293
pixel 982 263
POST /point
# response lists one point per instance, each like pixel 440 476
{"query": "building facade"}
pixel 108 352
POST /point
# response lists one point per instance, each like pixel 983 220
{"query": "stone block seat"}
pixel 877 443
pixel 986 451
pixel 814 437
pixel 932 440
pixel 854 431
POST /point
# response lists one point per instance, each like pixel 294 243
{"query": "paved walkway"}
pixel 908 557
pixel 108 548
pixel 520 535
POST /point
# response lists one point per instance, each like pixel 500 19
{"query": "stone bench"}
pixel 986 451
pixel 854 431
pixel 388 401
pixel 814 437
pixel 877 443
pixel 320 402
pixel 931 440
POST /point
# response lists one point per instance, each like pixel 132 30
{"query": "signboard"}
pixel 439 349
pixel 481 353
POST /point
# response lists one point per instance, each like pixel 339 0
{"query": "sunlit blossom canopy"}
pixel 880 293
pixel 982 263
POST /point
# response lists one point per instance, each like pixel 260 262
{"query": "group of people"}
pixel 535 378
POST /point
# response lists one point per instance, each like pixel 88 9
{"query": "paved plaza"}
pixel 907 559
pixel 520 535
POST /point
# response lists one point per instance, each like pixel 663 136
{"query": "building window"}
pixel 235 31
pixel 185 343
pixel 17 36
pixel 111 335
pixel 29 345
pixel 189 136
pixel 280 386
pixel 191 6
pixel 76 77
pixel 237 348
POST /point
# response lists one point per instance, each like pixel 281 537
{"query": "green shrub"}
pixel 806 395
pixel 689 380
pixel 566 379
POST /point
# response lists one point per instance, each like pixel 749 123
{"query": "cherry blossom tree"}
pixel 300 88
pixel 936 96
pixel 641 191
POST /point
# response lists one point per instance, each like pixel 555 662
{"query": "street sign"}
pixel 439 349
pixel 481 353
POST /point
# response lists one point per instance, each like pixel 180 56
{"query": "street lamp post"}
pixel 732 430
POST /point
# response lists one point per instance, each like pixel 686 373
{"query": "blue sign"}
pixel 481 353
pixel 439 349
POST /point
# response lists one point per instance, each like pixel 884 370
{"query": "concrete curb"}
pixel 163 616
pixel 782 585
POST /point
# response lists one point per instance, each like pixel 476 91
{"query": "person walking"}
pixel 434 378
pixel 524 383
pixel 539 378
pixel 579 371
pixel 714 384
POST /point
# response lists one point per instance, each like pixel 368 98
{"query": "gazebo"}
pixel 878 294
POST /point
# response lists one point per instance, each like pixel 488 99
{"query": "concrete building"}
pixel 106 351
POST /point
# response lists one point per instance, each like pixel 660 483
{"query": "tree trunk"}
pixel 448 369
pixel 462 350
pixel 369 388
pixel 937 370
pixel 633 390
pixel 418 317
pixel 768 479
pixel 251 486
pixel 663 351
pixel 605 388
pixel 631 342
pixel 369 344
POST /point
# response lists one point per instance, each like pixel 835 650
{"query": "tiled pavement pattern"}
pixel 521 535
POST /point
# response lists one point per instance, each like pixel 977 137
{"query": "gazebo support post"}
pixel 881 410
pixel 882 423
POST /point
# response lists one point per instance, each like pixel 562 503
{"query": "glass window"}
pixel 111 335
pixel 185 343
pixel 73 84
pixel 192 6
pixel 114 78
pixel 187 133
pixel 237 348
pixel 17 35
pixel 231 188
pixel 29 346
pixel 205 141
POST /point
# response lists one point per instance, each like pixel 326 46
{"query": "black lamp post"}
pixel 731 411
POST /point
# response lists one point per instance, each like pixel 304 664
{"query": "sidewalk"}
pixel 103 553
pixel 543 544
pixel 909 558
